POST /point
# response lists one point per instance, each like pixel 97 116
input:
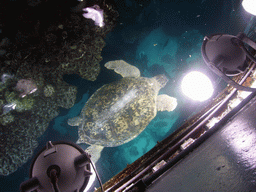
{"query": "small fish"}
pixel 94 13
pixel 5 77
pixel 8 107
pixel 26 87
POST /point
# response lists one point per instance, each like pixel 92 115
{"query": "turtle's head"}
pixel 161 80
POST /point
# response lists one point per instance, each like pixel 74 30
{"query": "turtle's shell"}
pixel 118 112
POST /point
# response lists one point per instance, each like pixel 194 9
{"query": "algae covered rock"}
pixel 49 91
pixel 25 104
pixel 6 119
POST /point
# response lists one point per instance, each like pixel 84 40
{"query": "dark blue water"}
pixel 158 37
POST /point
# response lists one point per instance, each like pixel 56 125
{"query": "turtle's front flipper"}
pixel 123 68
pixel 95 152
pixel 166 103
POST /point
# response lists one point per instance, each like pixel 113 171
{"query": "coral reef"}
pixel 6 119
pixel 21 126
pixel 35 57
pixel 49 91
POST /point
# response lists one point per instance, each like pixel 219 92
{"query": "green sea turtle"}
pixel 118 112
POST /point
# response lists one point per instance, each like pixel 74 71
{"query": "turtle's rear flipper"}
pixel 95 152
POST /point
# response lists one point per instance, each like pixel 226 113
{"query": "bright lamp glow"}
pixel 197 86
pixel 249 6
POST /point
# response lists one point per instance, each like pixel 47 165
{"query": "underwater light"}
pixel 197 86
pixel 249 6
pixel 226 56
pixel 60 167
